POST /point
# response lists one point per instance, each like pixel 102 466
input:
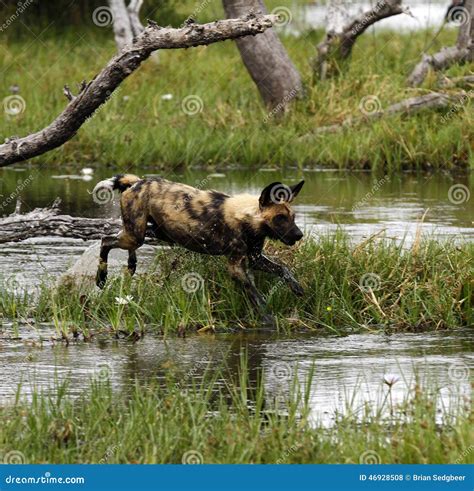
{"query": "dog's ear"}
pixel 295 190
pixel 268 194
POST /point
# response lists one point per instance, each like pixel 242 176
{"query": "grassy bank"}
pixel 140 126
pixel 371 286
pixel 232 423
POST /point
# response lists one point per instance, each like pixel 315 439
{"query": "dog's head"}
pixel 277 215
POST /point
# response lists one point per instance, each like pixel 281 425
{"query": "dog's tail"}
pixel 120 182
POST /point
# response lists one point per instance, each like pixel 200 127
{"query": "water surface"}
pixel 351 367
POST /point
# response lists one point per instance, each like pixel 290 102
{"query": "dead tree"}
pixel 126 21
pixel 342 33
pixel 462 51
pixel 93 94
pixel 266 59
pixel 47 222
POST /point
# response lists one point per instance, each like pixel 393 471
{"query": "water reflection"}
pixel 352 367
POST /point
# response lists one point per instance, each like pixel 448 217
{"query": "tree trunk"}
pixel 96 92
pixel 342 33
pixel 462 51
pixel 121 23
pixel 266 59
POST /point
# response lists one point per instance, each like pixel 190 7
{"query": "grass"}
pixel 376 285
pixel 211 422
pixel 138 127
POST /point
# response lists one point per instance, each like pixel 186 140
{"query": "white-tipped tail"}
pixel 105 184
pixel 103 191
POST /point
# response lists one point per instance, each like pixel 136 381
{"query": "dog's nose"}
pixel 299 235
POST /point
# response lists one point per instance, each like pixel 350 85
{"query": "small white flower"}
pixel 87 171
pixel 390 379
pixel 123 300
pixel 126 98
pixel 167 97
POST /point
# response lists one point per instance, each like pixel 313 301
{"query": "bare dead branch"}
pixel 337 45
pixel 93 95
pixel 447 56
pixel 433 100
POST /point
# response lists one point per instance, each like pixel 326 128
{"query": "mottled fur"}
pixel 209 222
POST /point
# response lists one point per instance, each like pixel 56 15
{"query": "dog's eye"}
pixel 280 218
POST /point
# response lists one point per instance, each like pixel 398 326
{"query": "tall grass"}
pixel 235 422
pixel 375 285
pixel 138 126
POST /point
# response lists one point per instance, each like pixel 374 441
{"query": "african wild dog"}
pixel 208 222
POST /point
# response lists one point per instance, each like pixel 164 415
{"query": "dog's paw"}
pixel 100 279
pixel 297 289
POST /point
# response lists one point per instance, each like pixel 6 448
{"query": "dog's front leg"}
pixel 239 272
pixel 262 263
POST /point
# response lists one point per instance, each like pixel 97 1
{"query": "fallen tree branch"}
pixel 439 61
pixel 466 81
pixel 96 92
pixel 463 50
pixel 434 100
pixel 337 46
pixel 47 222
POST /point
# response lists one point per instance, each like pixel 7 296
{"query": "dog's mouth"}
pixel 290 241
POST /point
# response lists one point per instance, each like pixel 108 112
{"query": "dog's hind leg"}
pixel 239 272
pixel 124 240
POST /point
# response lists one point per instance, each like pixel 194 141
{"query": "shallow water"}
pixel 351 367
pixel 359 203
